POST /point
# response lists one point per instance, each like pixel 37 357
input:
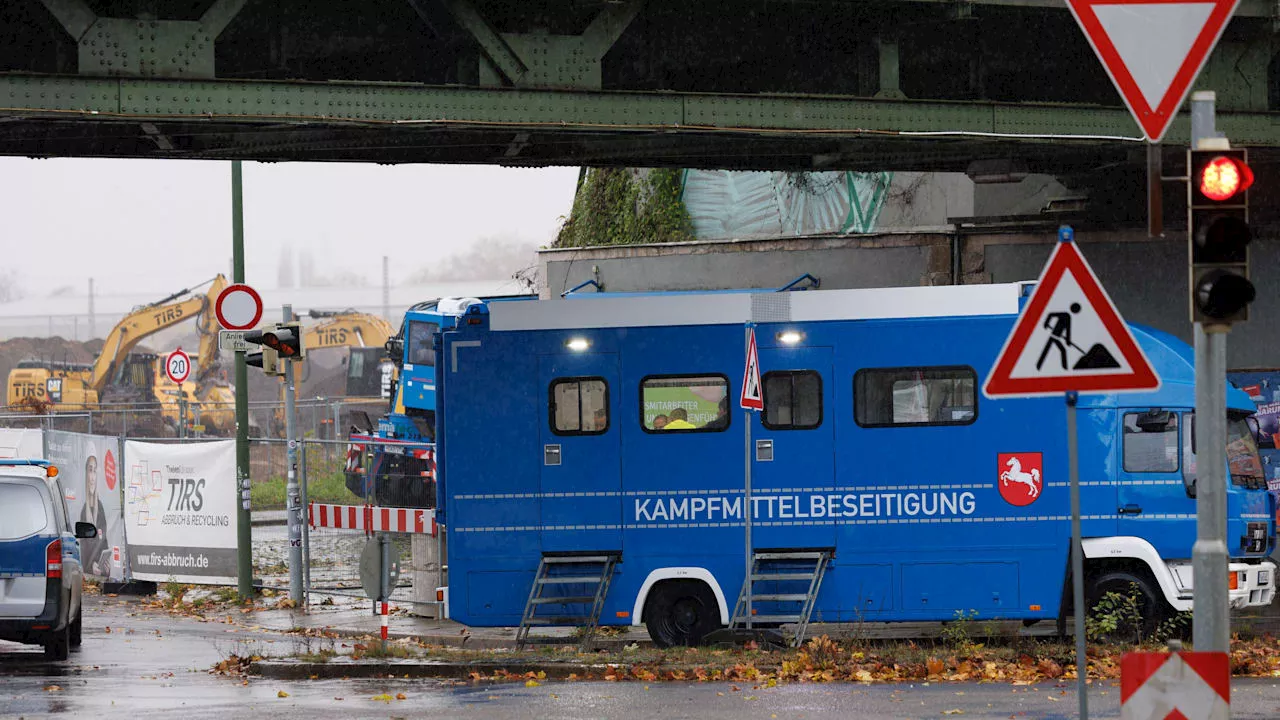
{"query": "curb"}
pixel 473 642
pixel 297 670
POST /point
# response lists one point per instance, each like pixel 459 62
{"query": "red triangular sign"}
pixel 1069 337
pixel 752 398
pixel 1153 49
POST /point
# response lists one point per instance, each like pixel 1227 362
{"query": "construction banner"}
pixel 180 511
pixel 89 475
pixel 22 444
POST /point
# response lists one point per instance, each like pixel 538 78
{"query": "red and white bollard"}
pixel 384 622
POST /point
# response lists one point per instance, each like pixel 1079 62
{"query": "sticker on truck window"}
pixel 1021 477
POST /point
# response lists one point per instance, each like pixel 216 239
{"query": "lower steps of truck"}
pixel 569 590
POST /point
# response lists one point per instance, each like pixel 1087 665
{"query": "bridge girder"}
pixel 828 84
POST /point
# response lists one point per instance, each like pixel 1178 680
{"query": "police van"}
pixel 40 569
pixel 593 467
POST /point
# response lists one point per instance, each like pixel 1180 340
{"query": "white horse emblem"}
pixel 1015 474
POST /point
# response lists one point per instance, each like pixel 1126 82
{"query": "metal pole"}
pixel 1211 629
pixel 293 495
pixel 306 532
pixel 1209 558
pixel 244 525
pixel 749 555
pixel 92 328
pixel 386 287
pixel 1077 557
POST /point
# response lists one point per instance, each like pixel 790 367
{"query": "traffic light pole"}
pixel 293 493
pixel 1211 629
pixel 244 526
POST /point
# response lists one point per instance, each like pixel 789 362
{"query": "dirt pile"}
pixel 57 349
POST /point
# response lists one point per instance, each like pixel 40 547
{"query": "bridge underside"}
pixel 827 84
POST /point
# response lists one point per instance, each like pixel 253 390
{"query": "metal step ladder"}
pixel 568 589
pixel 789 581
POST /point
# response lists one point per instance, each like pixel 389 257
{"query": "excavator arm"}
pixel 347 329
pixel 208 325
pixel 148 320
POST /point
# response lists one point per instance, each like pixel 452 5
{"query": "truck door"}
pixel 1150 475
pixel 793 450
pixel 581 491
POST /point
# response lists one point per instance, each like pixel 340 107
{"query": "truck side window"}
pixel 792 400
pixel 579 406
pixel 420 350
pixel 684 403
pixel 1151 442
pixel 913 397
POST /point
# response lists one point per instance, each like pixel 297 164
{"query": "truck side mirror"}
pixel 1154 420
pixel 1255 428
pixel 86 531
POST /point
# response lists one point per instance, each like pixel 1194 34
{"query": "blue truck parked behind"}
pixel 607 428
pixel 390 463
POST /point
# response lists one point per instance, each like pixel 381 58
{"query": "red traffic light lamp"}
pixel 1219 234
pixel 1222 177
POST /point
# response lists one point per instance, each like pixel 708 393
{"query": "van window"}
pixel 792 400
pixel 890 397
pixel 579 406
pixel 22 511
pixel 420 350
pixel 684 403
pixel 1150 442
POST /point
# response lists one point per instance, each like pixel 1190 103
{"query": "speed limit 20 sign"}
pixel 177 366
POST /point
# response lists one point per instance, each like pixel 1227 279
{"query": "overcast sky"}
pixel 159 225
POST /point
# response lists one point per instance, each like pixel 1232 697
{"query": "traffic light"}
pixel 285 339
pixel 1218 228
pixel 266 358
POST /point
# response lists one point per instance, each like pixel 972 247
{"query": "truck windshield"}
pixel 420 350
pixel 1242 453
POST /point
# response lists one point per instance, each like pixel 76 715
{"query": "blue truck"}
pixel 592 464
pixel 390 462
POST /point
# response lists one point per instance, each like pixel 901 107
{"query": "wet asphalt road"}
pixel 153 665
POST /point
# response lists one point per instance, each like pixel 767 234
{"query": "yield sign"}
pixel 1069 338
pixel 1184 685
pixel 752 398
pixel 1153 49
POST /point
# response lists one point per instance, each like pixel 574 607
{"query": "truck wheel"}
pixel 57 644
pixel 680 612
pixel 77 630
pixel 1152 607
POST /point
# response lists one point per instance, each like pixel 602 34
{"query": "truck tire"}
pixel 1152 606
pixel 680 612
pixel 77 630
pixel 57 644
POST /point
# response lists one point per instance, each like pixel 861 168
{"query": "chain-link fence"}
pixel 374 487
pixel 318 418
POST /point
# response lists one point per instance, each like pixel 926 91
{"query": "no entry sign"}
pixel 238 307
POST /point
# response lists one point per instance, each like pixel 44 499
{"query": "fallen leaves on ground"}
pixel 820 660
pixel 281 694
pixel 53 688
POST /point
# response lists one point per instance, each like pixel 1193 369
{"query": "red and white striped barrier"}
pixel 372 518
pixel 384 622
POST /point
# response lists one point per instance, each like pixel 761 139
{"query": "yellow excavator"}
pixel 120 377
pixel 364 335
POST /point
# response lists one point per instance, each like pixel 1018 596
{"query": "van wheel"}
pixel 680 612
pixel 1151 606
pixel 57 644
pixel 77 630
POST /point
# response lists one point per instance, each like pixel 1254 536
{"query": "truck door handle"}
pixel 1130 509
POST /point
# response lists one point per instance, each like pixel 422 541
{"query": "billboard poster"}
pixel 89 474
pixel 18 443
pixel 180 506
pixel 1264 387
